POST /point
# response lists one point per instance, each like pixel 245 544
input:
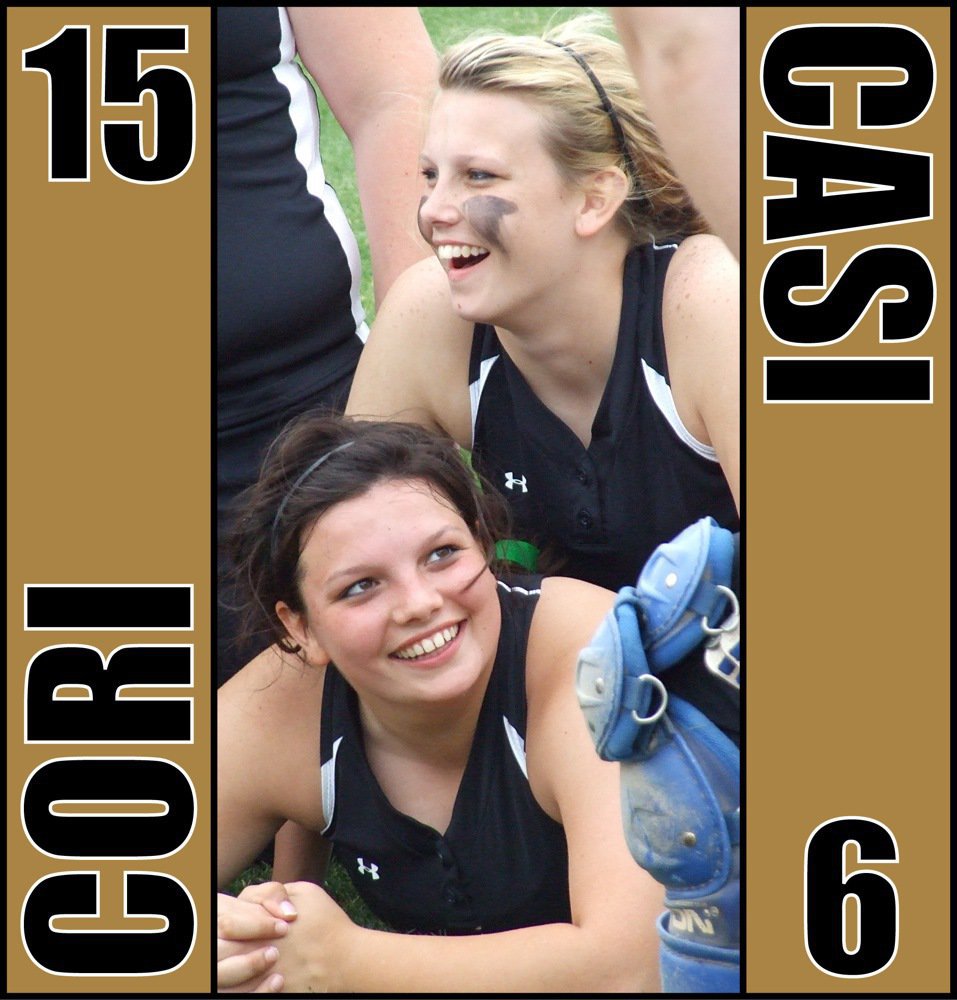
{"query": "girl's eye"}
pixel 359 587
pixel 442 552
pixel 480 175
pixel 429 174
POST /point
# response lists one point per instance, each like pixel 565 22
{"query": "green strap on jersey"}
pixel 523 554
pixel 511 550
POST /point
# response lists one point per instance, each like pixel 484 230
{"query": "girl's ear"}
pixel 296 625
pixel 604 193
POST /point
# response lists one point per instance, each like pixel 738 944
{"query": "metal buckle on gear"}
pixel 722 648
pixel 662 691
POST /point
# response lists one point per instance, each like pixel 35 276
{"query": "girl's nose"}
pixel 419 600
pixel 438 208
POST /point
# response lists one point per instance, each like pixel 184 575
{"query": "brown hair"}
pixel 320 460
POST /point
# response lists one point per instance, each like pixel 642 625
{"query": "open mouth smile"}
pixel 429 644
pixel 458 256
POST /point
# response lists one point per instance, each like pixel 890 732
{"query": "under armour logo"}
pixel 512 481
pixel 371 869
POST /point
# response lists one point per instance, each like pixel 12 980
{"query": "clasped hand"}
pixel 276 937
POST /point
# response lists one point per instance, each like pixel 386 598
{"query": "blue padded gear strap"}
pixel 696 967
pixel 680 786
pixel 680 802
pixel 681 585
pixel 682 825
pixel 650 627
pixel 620 697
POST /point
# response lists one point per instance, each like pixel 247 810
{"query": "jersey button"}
pixel 582 476
pixel 585 519
pixel 445 855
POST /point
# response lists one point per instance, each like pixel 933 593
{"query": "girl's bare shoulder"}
pixel 415 363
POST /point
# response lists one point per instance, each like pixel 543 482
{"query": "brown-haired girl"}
pixel 419 713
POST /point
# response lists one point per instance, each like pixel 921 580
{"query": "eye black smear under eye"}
pixel 484 213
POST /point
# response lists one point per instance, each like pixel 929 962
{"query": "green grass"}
pixel 446 25
pixel 337 882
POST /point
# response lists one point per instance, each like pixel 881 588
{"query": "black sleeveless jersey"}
pixel 289 320
pixel 289 316
pixel 603 509
pixel 503 861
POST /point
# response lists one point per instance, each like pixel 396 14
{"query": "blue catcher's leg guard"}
pixel 679 772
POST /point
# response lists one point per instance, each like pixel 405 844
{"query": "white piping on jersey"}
pixel 328 785
pixel 519 590
pixel 328 770
pixel 517 744
pixel 475 390
pixel 661 394
pixel 305 120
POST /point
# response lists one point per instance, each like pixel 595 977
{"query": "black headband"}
pixel 606 104
pixel 292 489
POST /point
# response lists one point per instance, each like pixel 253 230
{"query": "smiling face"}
pixel 497 211
pixel 397 593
